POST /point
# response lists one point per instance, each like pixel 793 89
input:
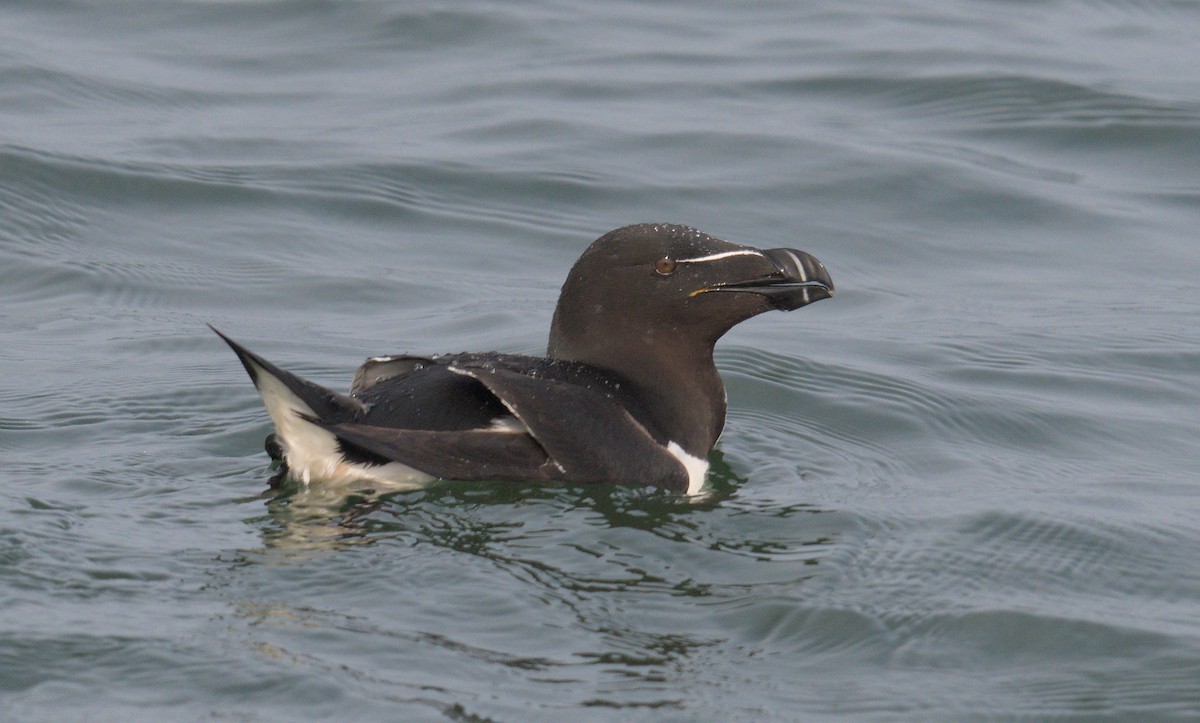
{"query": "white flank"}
pixel 312 453
pixel 721 255
pixel 696 468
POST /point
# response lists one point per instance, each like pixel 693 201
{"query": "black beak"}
pixel 805 279
pixel 798 280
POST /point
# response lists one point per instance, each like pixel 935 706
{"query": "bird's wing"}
pixel 566 432
pixel 476 454
pixel 381 368
pixel 586 433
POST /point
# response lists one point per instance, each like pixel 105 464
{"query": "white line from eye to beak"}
pixel 721 255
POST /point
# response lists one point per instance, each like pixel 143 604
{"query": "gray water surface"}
pixel 966 487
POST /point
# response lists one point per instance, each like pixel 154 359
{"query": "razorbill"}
pixel 627 392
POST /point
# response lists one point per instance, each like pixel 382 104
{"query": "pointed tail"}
pixel 297 395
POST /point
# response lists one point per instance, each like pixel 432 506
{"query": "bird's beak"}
pixel 798 279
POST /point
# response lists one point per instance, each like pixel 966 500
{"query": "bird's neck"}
pixel 674 376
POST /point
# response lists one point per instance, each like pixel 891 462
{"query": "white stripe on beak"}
pixel 800 268
pixel 803 275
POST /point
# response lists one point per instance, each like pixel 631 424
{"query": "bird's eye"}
pixel 664 266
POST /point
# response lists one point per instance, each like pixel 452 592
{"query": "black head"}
pixel 649 302
pixel 654 283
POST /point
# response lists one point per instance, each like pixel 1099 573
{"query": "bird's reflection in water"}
pixel 317 518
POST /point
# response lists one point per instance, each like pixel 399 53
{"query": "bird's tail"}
pixel 292 402
pixel 319 401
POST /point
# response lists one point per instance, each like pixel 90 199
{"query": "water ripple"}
pixel 962 489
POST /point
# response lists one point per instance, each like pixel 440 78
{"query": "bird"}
pixel 627 393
